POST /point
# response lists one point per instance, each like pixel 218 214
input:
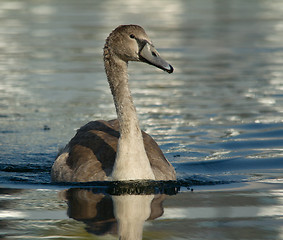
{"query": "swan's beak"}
pixel 149 54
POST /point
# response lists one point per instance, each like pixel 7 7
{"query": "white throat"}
pixel 131 161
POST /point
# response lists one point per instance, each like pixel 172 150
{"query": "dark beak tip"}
pixel 170 70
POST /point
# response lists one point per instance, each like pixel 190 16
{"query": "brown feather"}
pixel 92 153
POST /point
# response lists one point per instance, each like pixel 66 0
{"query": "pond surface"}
pixel 218 118
pixel 89 214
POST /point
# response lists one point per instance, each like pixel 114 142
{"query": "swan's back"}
pixel 90 155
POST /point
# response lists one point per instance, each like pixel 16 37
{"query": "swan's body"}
pixel 117 149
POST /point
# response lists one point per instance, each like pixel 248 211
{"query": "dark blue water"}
pixel 218 118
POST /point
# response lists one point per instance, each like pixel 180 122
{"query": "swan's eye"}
pixel 132 36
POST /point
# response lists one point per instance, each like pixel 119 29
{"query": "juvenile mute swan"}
pixel 117 149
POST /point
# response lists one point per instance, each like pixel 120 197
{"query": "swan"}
pixel 117 150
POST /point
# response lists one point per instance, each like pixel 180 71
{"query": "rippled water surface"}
pixel 217 118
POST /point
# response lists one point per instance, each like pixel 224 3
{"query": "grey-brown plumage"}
pixel 117 149
pixel 92 152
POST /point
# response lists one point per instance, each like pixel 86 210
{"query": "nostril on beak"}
pixel 154 54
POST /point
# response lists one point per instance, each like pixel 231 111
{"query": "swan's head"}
pixel 131 43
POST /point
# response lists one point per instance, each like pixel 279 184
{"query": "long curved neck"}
pixel 118 80
pixel 131 159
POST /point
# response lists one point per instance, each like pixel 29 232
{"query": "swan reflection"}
pixel 122 215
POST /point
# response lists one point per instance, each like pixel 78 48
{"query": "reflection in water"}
pixel 117 214
pixel 95 210
pixel 206 214
pixel 131 211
